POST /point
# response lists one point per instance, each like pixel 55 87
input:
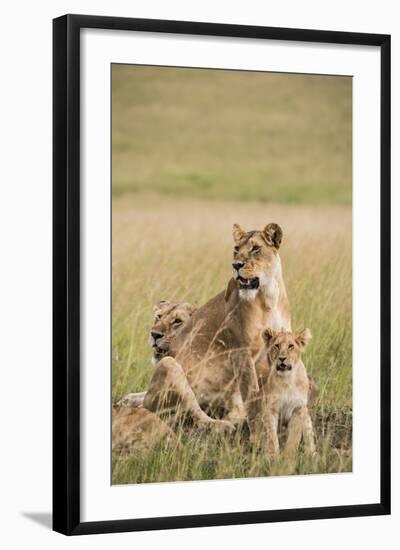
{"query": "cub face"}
pixel 255 257
pixel 284 349
pixel 169 317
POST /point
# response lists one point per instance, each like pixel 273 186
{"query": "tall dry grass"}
pixel 181 250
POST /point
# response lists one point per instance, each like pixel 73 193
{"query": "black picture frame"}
pixel 66 273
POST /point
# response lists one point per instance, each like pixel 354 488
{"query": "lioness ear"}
pixel 238 232
pixel 190 308
pixel 273 234
pixel 268 335
pixel 303 337
pixel 160 305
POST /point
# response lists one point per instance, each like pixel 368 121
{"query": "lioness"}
pixel 138 430
pixel 284 389
pixel 211 366
pixel 169 317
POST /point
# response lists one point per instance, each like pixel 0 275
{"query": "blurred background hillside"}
pixel 229 134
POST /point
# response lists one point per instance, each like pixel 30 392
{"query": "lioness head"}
pixel 284 349
pixel 169 317
pixel 255 258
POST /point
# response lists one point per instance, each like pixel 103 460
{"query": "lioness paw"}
pixel 224 427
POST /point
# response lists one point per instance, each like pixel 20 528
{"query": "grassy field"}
pixel 193 153
pixel 249 136
pixel 182 251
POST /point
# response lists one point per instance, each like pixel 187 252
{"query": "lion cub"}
pixel 284 392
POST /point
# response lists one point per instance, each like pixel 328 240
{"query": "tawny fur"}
pixel 262 366
pixel 169 318
pixel 138 430
pixel 284 391
pixel 214 352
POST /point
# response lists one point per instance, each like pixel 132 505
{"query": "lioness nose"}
pixel 237 265
pixel 156 335
pixel 282 359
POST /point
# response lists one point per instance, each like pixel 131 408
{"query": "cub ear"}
pixel 303 337
pixel 238 232
pixel 268 335
pixel 273 234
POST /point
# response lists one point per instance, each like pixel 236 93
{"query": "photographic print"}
pixel 231 274
pixel 221 221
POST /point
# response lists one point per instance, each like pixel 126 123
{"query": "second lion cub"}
pixel 284 388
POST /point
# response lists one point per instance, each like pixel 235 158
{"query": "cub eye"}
pixel 236 248
pixel 157 317
pixel 255 248
pixel 178 322
pixel 290 346
pixel 276 346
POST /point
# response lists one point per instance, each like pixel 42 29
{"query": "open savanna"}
pixel 181 249
pixel 232 134
pixel 194 151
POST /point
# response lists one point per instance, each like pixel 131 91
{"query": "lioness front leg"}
pixel 236 410
pixel 245 369
pixel 256 420
pixel 169 389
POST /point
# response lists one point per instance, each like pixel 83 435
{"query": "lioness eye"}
pixel 255 249
pixel 290 346
pixel 276 346
pixel 177 321
pixel 236 248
